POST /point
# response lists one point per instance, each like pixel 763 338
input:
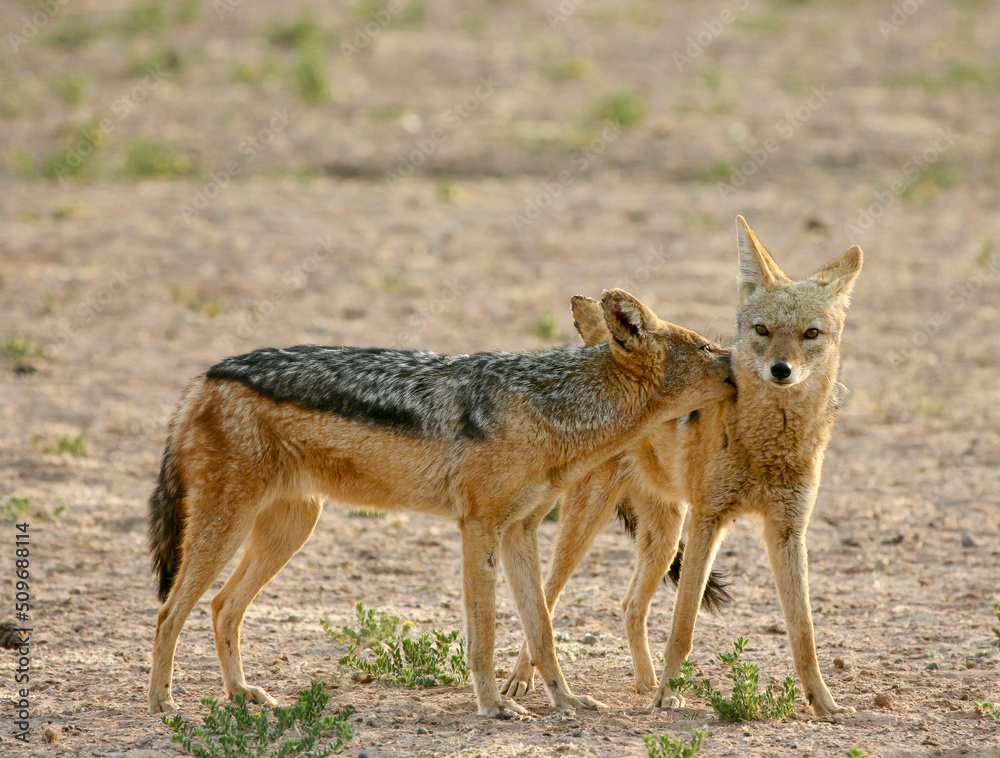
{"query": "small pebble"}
pixel 967 541
pixel 50 735
pixel 293 617
pixel 898 660
pixel 589 639
pixel 932 666
pixel 116 755
pixel 839 663
pixel 838 717
pixel 421 730
pixel 364 754
pixel 145 741
pixel 885 700
pixel 179 689
pixel 851 542
pixel 79 628
pixel 578 733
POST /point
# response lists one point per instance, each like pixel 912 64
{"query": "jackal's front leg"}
pixel 704 537
pixel 479 579
pixel 519 554
pixel 786 548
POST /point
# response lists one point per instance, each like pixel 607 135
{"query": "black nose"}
pixel 781 369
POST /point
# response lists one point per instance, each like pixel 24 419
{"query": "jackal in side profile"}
pixel 760 452
pixel 487 439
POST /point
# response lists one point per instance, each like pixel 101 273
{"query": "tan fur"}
pixel 253 470
pixel 760 453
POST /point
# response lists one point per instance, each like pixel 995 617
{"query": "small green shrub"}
pixel 988 709
pixel 622 107
pixel 665 746
pixel 146 158
pixel 16 509
pixel 856 752
pixel 17 348
pixel 996 629
pixel 309 76
pixel 144 17
pixel 72 32
pixel 545 325
pixel 422 662
pixel 747 703
pixel 372 629
pixel 233 732
pixel 381 648
pixel 71 445
pixel 71 88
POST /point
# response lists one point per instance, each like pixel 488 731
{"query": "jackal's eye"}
pixel 707 347
pixel 811 334
pixel 761 330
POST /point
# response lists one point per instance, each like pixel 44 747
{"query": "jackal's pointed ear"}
pixel 838 276
pixel 588 318
pixel 627 319
pixel 757 267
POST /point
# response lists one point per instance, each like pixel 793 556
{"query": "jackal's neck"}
pixel 591 395
pixel 790 426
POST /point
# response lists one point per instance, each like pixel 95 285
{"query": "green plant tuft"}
pixel 622 107
pixel 16 509
pixel 747 703
pixel 996 629
pixel 231 731
pixel 988 709
pixel 665 746
pixel 856 752
pixel 382 649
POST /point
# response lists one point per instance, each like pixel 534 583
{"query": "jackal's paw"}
pixel 664 698
pixel 503 709
pixel 581 701
pixel 830 709
pixel 645 688
pixel 519 682
pixel 164 705
pixel 252 695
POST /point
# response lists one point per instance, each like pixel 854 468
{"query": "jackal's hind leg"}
pixel 277 535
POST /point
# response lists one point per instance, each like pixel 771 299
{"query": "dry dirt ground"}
pixel 180 182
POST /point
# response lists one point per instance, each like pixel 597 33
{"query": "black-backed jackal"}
pixel 760 452
pixel 488 440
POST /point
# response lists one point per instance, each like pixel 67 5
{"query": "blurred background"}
pixel 180 181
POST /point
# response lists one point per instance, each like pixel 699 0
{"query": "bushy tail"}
pixel 166 523
pixel 716 595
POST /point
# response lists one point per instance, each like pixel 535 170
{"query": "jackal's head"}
pixel 787 332
pixel 688 370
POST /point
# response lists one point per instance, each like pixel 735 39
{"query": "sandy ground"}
pixel 350 222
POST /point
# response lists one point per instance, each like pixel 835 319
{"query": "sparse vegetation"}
pixel 412 13
pixel 144 17
pixel 72 32
pixel 996 629
pixel 309 77
pixel 988 709
pixel 146 158
pixel 15 509
pixel 856 752
pixel 380 648
pixel 622 107
pixel 567 69
pixel 71 88
pixel 17 348
pixel 665 746
pixel 545 325
pixel 747 702
pixel 955 75
pixel 167 60
pixel 72 445
pixel 296 35
pixel 231 731
pixel 372 629
pixel 719 170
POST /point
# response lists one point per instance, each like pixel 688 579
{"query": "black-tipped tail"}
pixel 166 523
pixel 716 595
